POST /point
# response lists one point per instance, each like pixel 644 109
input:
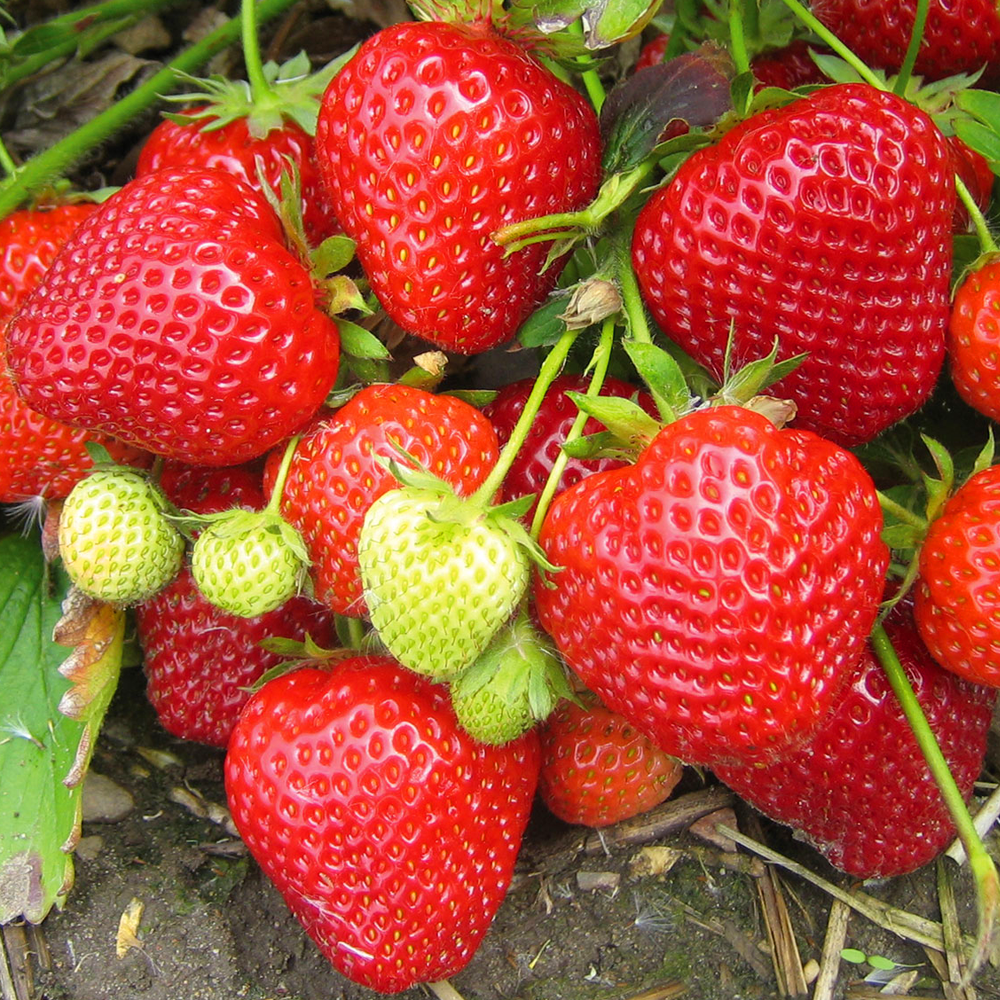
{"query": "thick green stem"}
pixel 916 36
pixel 833 42
pixel 274 501
pixel 550 368
pixel 901 513
pixel 980 863
pixel 260 89
pixel 112 10
pixel 591 81
pixel 56 160
pixel 986 242
pixel 601 359
pixel 737 38
pixel 7 163
pixel 632 302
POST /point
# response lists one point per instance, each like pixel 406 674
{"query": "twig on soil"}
pixel 833 945
pixel 957 967
pixel 908 926
pixel 197 804
pixel 444 990
pixel 744 946
pixel 675 814
pixel 668 991
pixel 784 949
pixel 983 821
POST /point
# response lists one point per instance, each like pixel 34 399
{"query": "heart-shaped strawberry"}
pixel 390 833
pixel 715 592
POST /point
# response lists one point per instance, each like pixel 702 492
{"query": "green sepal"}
pixel 48 723
pixel 238 522
pixel 333 255
pixel 663 377
pixel 938 488
pixel 545 325
pixel 474 397
pixel 742 385
pixel 603 444
pixel 361 343
pixel 625 419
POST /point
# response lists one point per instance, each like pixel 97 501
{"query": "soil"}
pixel 579 923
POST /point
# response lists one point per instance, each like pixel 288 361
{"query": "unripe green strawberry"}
pixel 514 684
pixel 114 537
pixel 440 576
pixel 248 562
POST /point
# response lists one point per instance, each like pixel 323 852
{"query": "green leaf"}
pixel 853 956
pixel 333 255
pixel 981 138
pixel 663 377
pixel 879 962
pixel 359 342
pixel 627 420
pixel 544 327
pixel 44 753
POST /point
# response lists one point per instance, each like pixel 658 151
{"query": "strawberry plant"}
pixel 685 532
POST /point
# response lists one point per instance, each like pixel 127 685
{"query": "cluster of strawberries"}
pixel 695 583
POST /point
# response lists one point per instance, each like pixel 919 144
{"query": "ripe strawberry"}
pixel 543 444
pixel 960 36
pixel 715 592
pixel 335 475
pixel 29 242
pixel 390 833
pixel 429 140
pixel 201 662
pixel 440 576
pixel 825 224
pixel 175 319
pixel 957 608
pixel 597 769
pixel 860 790
pixel 39 457
pixel 212 489
pixel 114 538
pixel 977 175
pixel 206 142
pixel 974 339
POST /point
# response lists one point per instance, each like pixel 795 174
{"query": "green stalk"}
pixel 980 863
pixel 632 302
pixel 833 42
pixel 55 161
pixel 591 81
pixel 260 89
pixel 601 360
pixel 7 161
pixel 737 38
pixel 274 501
pixel 112 10
pixel 916 36
pixel 547 373
pixel 986 242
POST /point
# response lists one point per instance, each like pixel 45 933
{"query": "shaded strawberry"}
pixel 859 790
pixel 598 769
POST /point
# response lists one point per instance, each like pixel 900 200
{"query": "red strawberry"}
pixel 825 224
pixel 200 662
pixel 542 446
pixel 210 490
pixel 429 140
pixel 960 36
pixel 957 604
pixel 39 457
pixel 860 790
pixel 716 592
pixel 390 833
pixel 175 319
pixel 335 475
pixel 29 242
pixel 974 339
pixel 977 175
pixel 597 769
pixel 232 147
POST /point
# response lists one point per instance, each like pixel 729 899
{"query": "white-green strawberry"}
pixel 515 683
pixel 115 538
pixel 248 562
pixel 441 576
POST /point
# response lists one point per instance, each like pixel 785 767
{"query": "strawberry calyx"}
pixel 514 684
pixel 297 654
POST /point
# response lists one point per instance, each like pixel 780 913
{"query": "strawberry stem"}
pixel 600 361
pixel 986 242
pixel 274 501
pixel 980 863
pixel 635 310
pixel 260 89
pixel 737 38
pixel 916 36
pixel 550 368
pixel 816 26
pixel 40 170
pixel 7 161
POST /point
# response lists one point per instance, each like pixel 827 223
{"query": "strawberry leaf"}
pixel 360 343
pixel 43 752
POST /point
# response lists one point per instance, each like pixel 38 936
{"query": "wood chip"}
pixel 598 881
pixel 833 945
pixel 128 928
pixel 955 958
pixel 705 829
